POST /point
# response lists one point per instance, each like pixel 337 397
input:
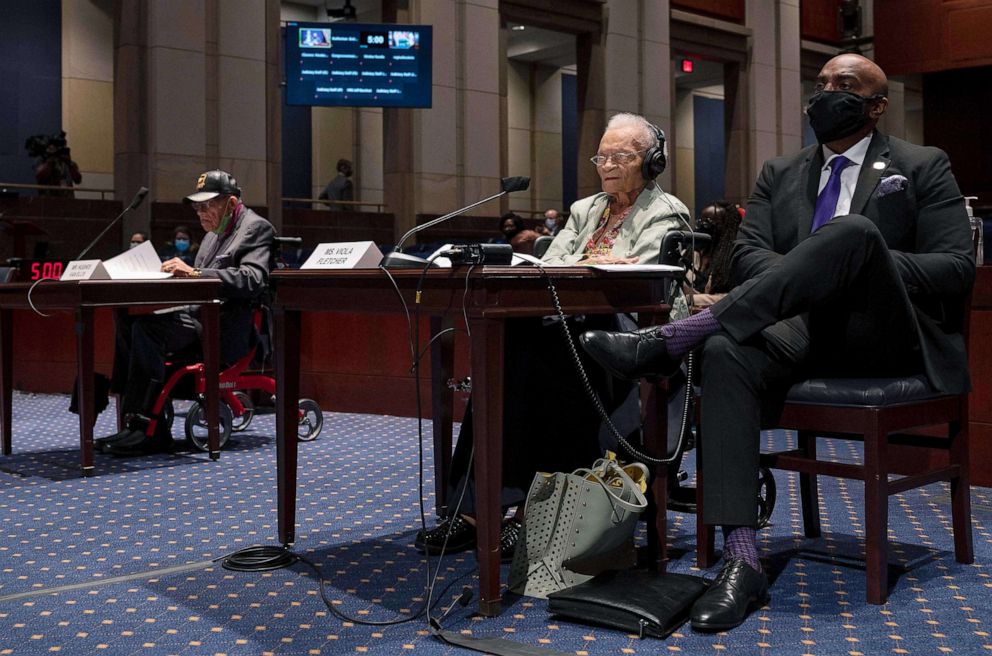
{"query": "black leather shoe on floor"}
pixel 737 590
pixel 101 443
pixel 139 444
pixel 638 354
pixel 509 533
pixel 462 537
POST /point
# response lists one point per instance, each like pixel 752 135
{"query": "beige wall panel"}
pixel 519 162
pixel 656 67
pixel 370 145
pixel 178 114
pixel 481 136
pixel 333 130
pixel 765 145
pixel 481 68
pixel 622 18
pixel 172 177
pixel 621 82
pixel 250 174
pixel 789 27
pixel 476 188
pixel 177 23
pixel 434 135
pixel 761 17
pixel 242 28
pixel 437 193
pixel 547 173
pixel 765 101
pixel 88 119
pixel 87 41
pixel 518 95
pixel 96 180
pixel 792 112
pixel 442 16
pixel 242 99
pixel 547 99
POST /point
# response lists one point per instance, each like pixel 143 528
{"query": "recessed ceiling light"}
pixel 518 28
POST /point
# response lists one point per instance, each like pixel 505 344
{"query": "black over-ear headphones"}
pixel 655 159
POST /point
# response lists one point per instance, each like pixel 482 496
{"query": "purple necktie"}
pixel 826 202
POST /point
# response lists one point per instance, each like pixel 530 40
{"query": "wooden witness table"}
pixel 490 295
pixel 83 299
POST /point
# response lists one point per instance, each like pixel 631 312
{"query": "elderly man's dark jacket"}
pixel 920 215
pixel 242 260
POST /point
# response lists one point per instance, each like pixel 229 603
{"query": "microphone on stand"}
pixel 398 260
pixel 138 197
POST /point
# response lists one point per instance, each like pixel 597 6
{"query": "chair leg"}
pixel 705 534
pixel 876 517
pixel 807 488
pixel 658 521
pixel 961 493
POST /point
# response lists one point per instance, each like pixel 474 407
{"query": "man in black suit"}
pixel 854 259
pixel 237 249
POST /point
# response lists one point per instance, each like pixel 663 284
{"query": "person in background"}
pixel 137 239
pixel 510 225
pixel 855 259
pixel 549 422
pixel 712 280
pixel 340 188
pixel 237 250
pixel 552 223
pixel 182 246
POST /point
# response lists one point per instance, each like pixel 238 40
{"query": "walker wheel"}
pixel 196 425
pixel 311 420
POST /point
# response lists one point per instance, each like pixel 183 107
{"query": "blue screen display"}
pixel 358 64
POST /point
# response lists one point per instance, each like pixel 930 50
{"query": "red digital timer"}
pixel 32 270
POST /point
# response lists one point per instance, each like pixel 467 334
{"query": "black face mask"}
pixel 834 115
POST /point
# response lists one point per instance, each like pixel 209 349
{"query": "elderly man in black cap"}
pixel 238 250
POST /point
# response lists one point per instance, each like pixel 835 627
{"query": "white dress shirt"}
pixel 848 177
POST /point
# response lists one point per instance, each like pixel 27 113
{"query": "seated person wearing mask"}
pixel 182 246
pixel 238 250
pixel 854 260
pixel 549 423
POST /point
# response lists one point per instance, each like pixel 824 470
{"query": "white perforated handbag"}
pixel 576 526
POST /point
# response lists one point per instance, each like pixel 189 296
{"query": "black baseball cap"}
pixel 213 184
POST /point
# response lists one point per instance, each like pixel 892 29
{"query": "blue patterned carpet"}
pixel 121 563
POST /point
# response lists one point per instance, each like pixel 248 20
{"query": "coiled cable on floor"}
pixel 259 558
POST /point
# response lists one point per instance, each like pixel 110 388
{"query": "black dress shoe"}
pixel 137 443
pixel 638 354
pixel 737 591
pixel 460 536
pixel 101 443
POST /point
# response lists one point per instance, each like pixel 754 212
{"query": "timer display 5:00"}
pixel 46 270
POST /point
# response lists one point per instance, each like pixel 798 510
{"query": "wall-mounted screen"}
pixel 358 64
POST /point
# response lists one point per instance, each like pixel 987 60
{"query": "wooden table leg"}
pixel 287 369
pixel 487 401
pixel 210 317
pixel 6 378
pixel 654 405
pixel 85 391
pixel 442 407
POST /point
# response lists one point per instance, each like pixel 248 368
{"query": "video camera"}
pixel 38 145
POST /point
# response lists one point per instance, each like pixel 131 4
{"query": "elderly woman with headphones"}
pixel 549 424
pixel 625 222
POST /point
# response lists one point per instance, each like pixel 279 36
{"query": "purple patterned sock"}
pixel 685 334
pixel 739 542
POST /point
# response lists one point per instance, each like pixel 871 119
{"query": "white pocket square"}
pixel 891 184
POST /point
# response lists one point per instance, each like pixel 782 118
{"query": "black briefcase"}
pixel 638 601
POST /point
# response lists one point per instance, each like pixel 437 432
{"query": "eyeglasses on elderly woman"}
pixel 620 158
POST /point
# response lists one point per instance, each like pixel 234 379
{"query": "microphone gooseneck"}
pixel 397 259
pixel 138 198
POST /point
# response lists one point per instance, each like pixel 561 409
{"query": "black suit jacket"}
pixel 924 224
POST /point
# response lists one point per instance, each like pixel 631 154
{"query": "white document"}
pixel 138 263
pixel 639 268
pixel 344 255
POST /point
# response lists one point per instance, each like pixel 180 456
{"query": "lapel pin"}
pixel 878 166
